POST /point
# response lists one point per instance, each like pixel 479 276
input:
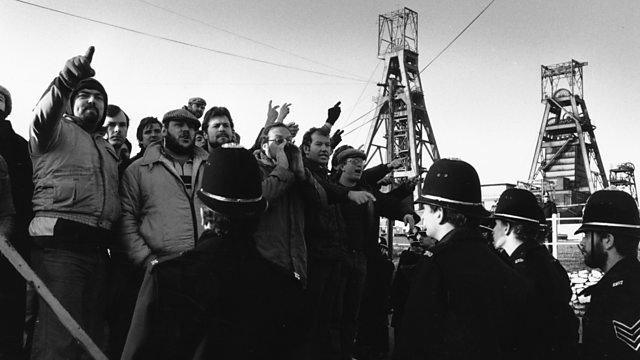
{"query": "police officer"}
pixel 517 232
pixel 611 227
pixel 464 303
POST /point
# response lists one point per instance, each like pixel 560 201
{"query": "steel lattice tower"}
pixel 567 160
pixel 401 110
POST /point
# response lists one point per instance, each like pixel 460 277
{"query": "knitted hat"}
pixel 453 184
pixel 91 84
pixel 611 211
pixel 7 100
pixel 197 100
pixel 231 183
pixel 518 205
pixel 181 115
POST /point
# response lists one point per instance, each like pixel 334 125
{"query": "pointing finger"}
pixel 89 54
pixel 337 104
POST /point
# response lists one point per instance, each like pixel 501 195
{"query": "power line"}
pixel 362 92
pixel 457 36
pixel 245 37
pixel 189 44
pixel 361 125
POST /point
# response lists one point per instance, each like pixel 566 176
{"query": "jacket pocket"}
pixel 75 191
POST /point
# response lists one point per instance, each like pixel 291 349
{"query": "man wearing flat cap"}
pixel 465 303
pixel 518 220
pixel 203 303
pixel 160 210
pixel 76 205
pixel 611 227
pixel 196 106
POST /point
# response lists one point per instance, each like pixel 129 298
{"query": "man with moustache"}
pixel 159 210
pixel 217 127
pixel 159 214
pixel 75 203
pixel 611 227
pixel 196 106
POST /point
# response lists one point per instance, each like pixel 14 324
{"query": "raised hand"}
pixel 336 138
pixel 78 68
pixel 333 113
pixel 272 114
pixel 293 129
pixel 281 156
pixel 284 111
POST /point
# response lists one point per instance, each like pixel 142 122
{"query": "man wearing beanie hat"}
pixel 611 324
pixel 465 302
pixel 518 219
pixel 76 205
pixel 15 150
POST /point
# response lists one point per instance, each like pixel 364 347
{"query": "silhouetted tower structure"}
pixel 401 116
pixel 566 159
pixel 623 178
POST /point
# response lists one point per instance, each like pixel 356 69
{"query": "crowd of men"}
pixel 197 248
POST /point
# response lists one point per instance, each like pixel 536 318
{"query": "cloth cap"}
pixel 350 153
pixel 453 184
pixel 197 100
pixel 92 84
pixel 7 100
pixel 181 115
pixel 611 211
pixel 518 205
pixel 232 183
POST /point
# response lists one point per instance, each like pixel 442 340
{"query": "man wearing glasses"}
pixel 289 188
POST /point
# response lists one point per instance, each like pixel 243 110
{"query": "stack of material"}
pixel 579 281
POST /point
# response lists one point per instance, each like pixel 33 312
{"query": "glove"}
pixel 333 113
pixel 336 138
pixel 78 68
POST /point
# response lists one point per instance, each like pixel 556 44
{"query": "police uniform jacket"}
pixel 557 323
pixel 465 303
pixel 612 320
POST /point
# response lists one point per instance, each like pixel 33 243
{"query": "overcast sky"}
pixel 482 95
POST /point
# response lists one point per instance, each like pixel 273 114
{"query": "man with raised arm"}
pixel 76 204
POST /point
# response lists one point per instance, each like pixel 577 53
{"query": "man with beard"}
pixel 117 125
pixel 159 205
pixel 217 127
pixel 75 203
pixel 611 227
pixel 204 303
pixel 157 193
pixel 149 131
pixel 196 106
